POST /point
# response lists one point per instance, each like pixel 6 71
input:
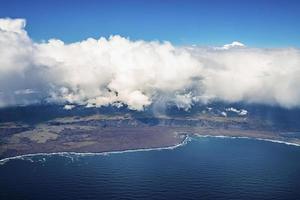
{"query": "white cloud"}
pixel 241 112
pixel 234 44
pixel 224 114
pixel 15 25
pixel 96 72
pixel 69 107
pixel 25 92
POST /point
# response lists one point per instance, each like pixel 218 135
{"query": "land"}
pixel 106 133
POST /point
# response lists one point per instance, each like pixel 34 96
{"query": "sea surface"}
pixel 204 168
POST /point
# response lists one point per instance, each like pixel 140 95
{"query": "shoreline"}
pixel 184 142
pixel 250 138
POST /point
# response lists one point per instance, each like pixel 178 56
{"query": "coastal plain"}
pixel 102 133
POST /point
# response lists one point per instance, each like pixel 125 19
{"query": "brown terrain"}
pixel 99 133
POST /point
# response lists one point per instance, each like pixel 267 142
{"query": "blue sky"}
pixel 259 23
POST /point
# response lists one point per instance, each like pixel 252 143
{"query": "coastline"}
pixel 187 138
pixel 250 138
pixel 182 143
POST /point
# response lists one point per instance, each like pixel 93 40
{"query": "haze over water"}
pixel 205 168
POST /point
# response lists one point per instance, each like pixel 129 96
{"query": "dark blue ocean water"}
pixel 205 168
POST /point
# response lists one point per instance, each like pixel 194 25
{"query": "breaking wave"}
pixel 250 138
pixel 188 138
pixel 72 154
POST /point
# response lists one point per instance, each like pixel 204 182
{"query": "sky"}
pixel 257 23
pixel 149 53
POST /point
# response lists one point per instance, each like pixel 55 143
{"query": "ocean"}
pixel 204 168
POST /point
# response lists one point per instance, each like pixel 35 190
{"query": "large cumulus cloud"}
pixel 97 72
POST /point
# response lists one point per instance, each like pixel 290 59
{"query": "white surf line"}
pixel 184 142
pixel 249 138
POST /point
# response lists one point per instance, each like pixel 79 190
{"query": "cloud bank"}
pixel 118 71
